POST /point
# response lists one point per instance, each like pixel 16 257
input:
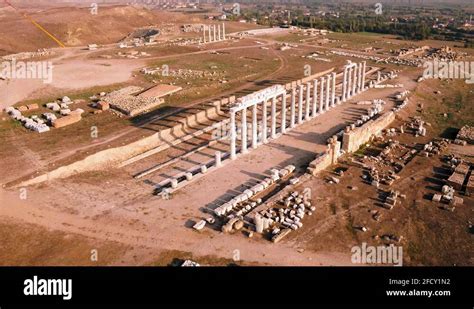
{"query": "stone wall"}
pixel 111 158
pixel 327 158
pixel 352 140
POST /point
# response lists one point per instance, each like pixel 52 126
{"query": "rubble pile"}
pixel 408 51
pixel 133 54
pixel 186 28
pixel 353 55
pixel 434 147
pixel 284 216
pixel 34 123
pixel 447 196
pixel 183 42
pixel 42 124
pixel 28 55
pixel 402 95
pixel 124 101
pixel 465 135
pixel 391 200
pixel 181 73
pixel 417 126
pixel 442 54
pixel 385 167
pixel 242 204
pixel 402 61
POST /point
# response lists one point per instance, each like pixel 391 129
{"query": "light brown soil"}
pixel 119 215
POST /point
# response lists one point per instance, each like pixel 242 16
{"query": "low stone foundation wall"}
pixel 111 158
pixel 352 140
pixel 326 159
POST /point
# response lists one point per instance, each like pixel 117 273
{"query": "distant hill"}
pixel 75 26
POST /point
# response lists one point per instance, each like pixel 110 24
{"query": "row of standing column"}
pixel 214 33
pixel 353 81
pixel 319 96
pixel 306 108
pixel 254 126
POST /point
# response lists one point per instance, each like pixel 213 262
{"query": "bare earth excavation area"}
pixel 226 142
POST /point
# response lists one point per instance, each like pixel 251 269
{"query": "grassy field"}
pixel 449 110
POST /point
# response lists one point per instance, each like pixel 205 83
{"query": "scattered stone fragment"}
pixel 199 225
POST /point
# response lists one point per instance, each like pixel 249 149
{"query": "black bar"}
pixel 240 285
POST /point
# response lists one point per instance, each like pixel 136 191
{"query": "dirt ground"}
pixel 119 216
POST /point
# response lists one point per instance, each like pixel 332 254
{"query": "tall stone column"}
pixel 328 90
pixel 321 97
pixel 265 123
pixel 354 81
pixel 283 114
pixel 274 120
pixel 214 33
pixel 210 34
pixel 218 32
pixel 315 97
pixel 349 83
pixel 292 108
pixel 233 136
pixel 344 85
pixel 254 127
pixel 300 103
pixel 308 100
pixel 363 75
pixel 244 130
pixel 359 68
pixel 223 30
pixel 333 94
pixel 204 33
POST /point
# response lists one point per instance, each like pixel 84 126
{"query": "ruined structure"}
pixel 213 33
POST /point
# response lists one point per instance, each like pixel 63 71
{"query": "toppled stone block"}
pixel 49 116
pixel 276 238
pixel 103 106
pixel 66 120
pixel 78 111
pixel 32 107
pixel 200 225
pixel 65 112
pixel 53 106
pixel 436 198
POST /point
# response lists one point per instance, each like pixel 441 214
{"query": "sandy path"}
pixel 13 207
